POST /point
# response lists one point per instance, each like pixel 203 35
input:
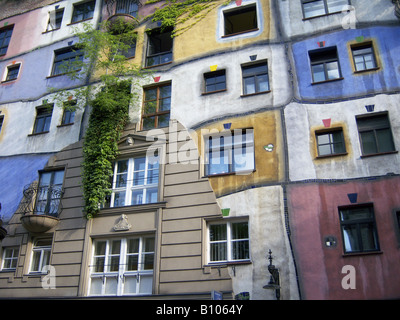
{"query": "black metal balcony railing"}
pixel 123 6
pixel 42 200
pixel 397 7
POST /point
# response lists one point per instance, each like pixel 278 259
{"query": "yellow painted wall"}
pixel 269 166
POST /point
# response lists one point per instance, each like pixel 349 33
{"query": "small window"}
pixel 40 255
pixel 324 65
pixel 330 143
pixel 10 258
pixel 127 7
pixel 67 60
pixel 239 20
pixel 5 37
pixel 1 122
pixel 358 229
pixel 215 81
pixel 159 47
pixel 55 19
pixel 375 134
pixel 156 107
pixel 83 11
pixel 316 8
pixel 255 78
pixel 230 153
pixel 69 113
pixel 228 241
pixel 364 57
pixel 43 119
pixel 12 72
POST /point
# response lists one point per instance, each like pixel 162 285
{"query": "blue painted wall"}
pixel 33 81
pixel 15 173
pixel 386 79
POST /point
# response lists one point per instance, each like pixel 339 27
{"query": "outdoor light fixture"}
pixel 274 278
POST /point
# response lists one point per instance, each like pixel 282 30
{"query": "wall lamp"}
pixel 273 283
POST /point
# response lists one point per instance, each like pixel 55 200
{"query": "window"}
pixel 330 143
pixel 239 20
pixel 315 8
pixel 375 134
pixel 12 72
pixel 55 19
pixel 67 60
pixel 324 65
pixel 255 78
pixel 69 113
pixel 49 193
pixel 156 107
pixel 43 119
pixel 122 266
pixel 364 57
pixel 83 11
pixel 230 153
pixel 228 241
pixel 135 181
pixel 5 37
pixel 1 122
pixel 159 47
pixel 358 229
pixel 128 7
pixel 10 258
pixel 40 254
pixel 215 81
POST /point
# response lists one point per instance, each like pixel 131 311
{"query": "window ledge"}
pixel 65 125
pixel 72 23
pixel 61 74
pixel 239 33
pixel 378 154
pixel 158 65
pixel 321 15
pixel 236 173
pixel 133 208
pixel 366 70
pixel 48 31
pixel 353 254
pixel 9 81
pixel 254 94
pixel 326 81
pixel 227 263
pixel 332 155
pixel 211 92
pixel 37 133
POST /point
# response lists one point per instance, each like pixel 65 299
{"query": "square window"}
pixel 330 143
pixel 12 72
pixel 159 47
pixel 239 20
pixel 69 113
pixel 231 152
pixel 55 19
pixel 156 107
pixel 375 134
pixel 67 60
pixel 214 81
pixel 255 78
pixel 83 11
pixel 10 258
pixel 364 57
pixel 43 119
pixel 5 37
pixel 316 8
pixel 324 65
pixel 358 229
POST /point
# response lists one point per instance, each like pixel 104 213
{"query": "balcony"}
pixel 41 206
pixel 122 14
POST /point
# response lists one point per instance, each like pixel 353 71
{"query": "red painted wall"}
pixel 313 214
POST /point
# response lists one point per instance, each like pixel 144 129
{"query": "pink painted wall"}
pixel 313 214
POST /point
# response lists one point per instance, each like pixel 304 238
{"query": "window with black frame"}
pixel 215 81
pixel 316 8
pixel 375 134
pixel 330 143
pixel 364 57
pixel 83 11
pixel 67 60
pixel 240 19
pixel 324 65
pixel 43 119
pixel 159 47
pixel 359 230
pixel 5 37
pixel 49 192
pixel 12 72
pixel 255 78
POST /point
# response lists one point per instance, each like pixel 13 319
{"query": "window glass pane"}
pixel 96 285
pixel 148 261
pixel 130 284
pixel 100 248
pixel 36 261
pixel 163 120
pixel 122 174
pixel 165 104
pixel 314 8
pixel 263 83
pixel 111 285
pixel 356 214
pixel 119 199
pixel 249 85
pixel 218 162
pixel 132 264
pixel 151 195
pixel 368 238
pixel 146 284
pixel 218 251
pixel 218 232
pixel 240 230
pixel 368 142
pixel 137 197
pixel 332 69
pixel 318 72
pixel 149 123
pixel 243 158
pixel 148 245
pixel 99 264
pixel 385 140
pixel 336 5
pixel 350 238
pixel 133 246
pixel 240 250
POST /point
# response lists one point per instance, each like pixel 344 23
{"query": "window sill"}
pixel 158 65
pixel 212 92
pixel 254 94
pixel 48 31
pixel 353 254
pixel 321 15
pixel 332 155
pixel 37 133
pixel 227 263
pixel 62 74
pixel 236 173
pixel 72 23
pixel 378 154
pixel 327 81
pixel 9 81
pixel 65 125
pixel 366 70
pixel 239 33
pixel 133 208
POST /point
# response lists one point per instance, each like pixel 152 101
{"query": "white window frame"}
pixel 229 241
pixel 43 251
pixel 122 273
pixel 130 187
pixel 8 262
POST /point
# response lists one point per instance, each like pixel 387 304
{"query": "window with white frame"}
pixel 40 255
pixel 228 241
pixel 316 8
pixel 122 266
pixel 231 152
pixel 10 258
pixel 135 181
